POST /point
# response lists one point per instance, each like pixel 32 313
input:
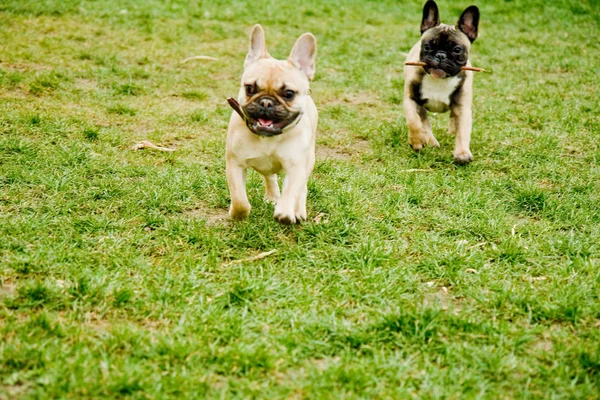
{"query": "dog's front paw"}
pixel 419 142
pixel 432 141
pixel 284 213
pixel 239 212
pixel 463 157
pixel 271 197
pixel 285 219
pixel 300 216
pixel 289 219
pixel 300 211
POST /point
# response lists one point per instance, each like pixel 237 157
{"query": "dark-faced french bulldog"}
pixel 441 85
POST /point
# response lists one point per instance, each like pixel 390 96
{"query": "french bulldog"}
pixel 273 128
pixel 441 85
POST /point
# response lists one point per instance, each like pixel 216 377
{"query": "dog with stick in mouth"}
pixel 273 128
pixel 440 79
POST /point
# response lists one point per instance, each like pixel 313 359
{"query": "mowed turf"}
pixel 414 277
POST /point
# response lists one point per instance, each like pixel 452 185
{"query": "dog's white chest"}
pixel 437 92
pixel 265 163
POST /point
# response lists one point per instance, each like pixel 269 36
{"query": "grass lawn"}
pixel 414 277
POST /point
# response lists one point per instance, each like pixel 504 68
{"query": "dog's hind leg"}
pixel 452 127
pixel 271 188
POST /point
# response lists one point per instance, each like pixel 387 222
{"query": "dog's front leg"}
pixel 236 179
pixel 419 130
pixel 294 187
pixel 462 120
pixel 300 211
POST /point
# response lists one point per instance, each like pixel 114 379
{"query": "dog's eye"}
pixel 457 50
pixel 289 95
pixel 250 90
pixel 426 47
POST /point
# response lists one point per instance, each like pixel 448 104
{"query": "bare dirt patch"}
pixel 324 153
pixel 16 391
pixel 8 289
pixel 544 346
pixel 86 84
pixel 24 66
pixel 362 98
pixel 213 216
pixel 358 146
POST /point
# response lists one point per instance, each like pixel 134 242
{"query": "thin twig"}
pixel 422 64
pixel 415 63
pixel 415 170
pixel 534 278
pixel 146 144
pixel 474 69
pixel 476 245
pixel 254 258
pixel 208 58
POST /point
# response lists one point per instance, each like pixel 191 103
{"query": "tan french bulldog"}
pixel 441 85
pixel 273 128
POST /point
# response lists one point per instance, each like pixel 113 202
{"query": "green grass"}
pixel 116 278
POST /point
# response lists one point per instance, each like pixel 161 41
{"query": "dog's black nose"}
pixel 440 56
pixel 265 102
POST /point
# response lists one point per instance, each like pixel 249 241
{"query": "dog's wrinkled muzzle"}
pixel 265 126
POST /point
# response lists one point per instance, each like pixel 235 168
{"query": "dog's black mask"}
pixel 444 51
pixel 267 116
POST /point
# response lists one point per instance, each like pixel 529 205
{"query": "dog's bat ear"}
pixel 431 16
pixel 468 22
pixel 304 53
pixel 258 46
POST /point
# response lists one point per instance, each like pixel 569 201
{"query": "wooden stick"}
pixel 236 107
pixel 474 69
pixel 256 257
pixel 416 170
pixel 415 63
pixel 422 64
pixel 146 144
pixel 209 58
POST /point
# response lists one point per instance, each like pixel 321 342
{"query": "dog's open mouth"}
pixel 436 72
pixel 441 71
pixel 265 126
pixel 265 123
pixel 268 127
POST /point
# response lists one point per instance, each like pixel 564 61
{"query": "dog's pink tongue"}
pixel 265 122
pixel 438 73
